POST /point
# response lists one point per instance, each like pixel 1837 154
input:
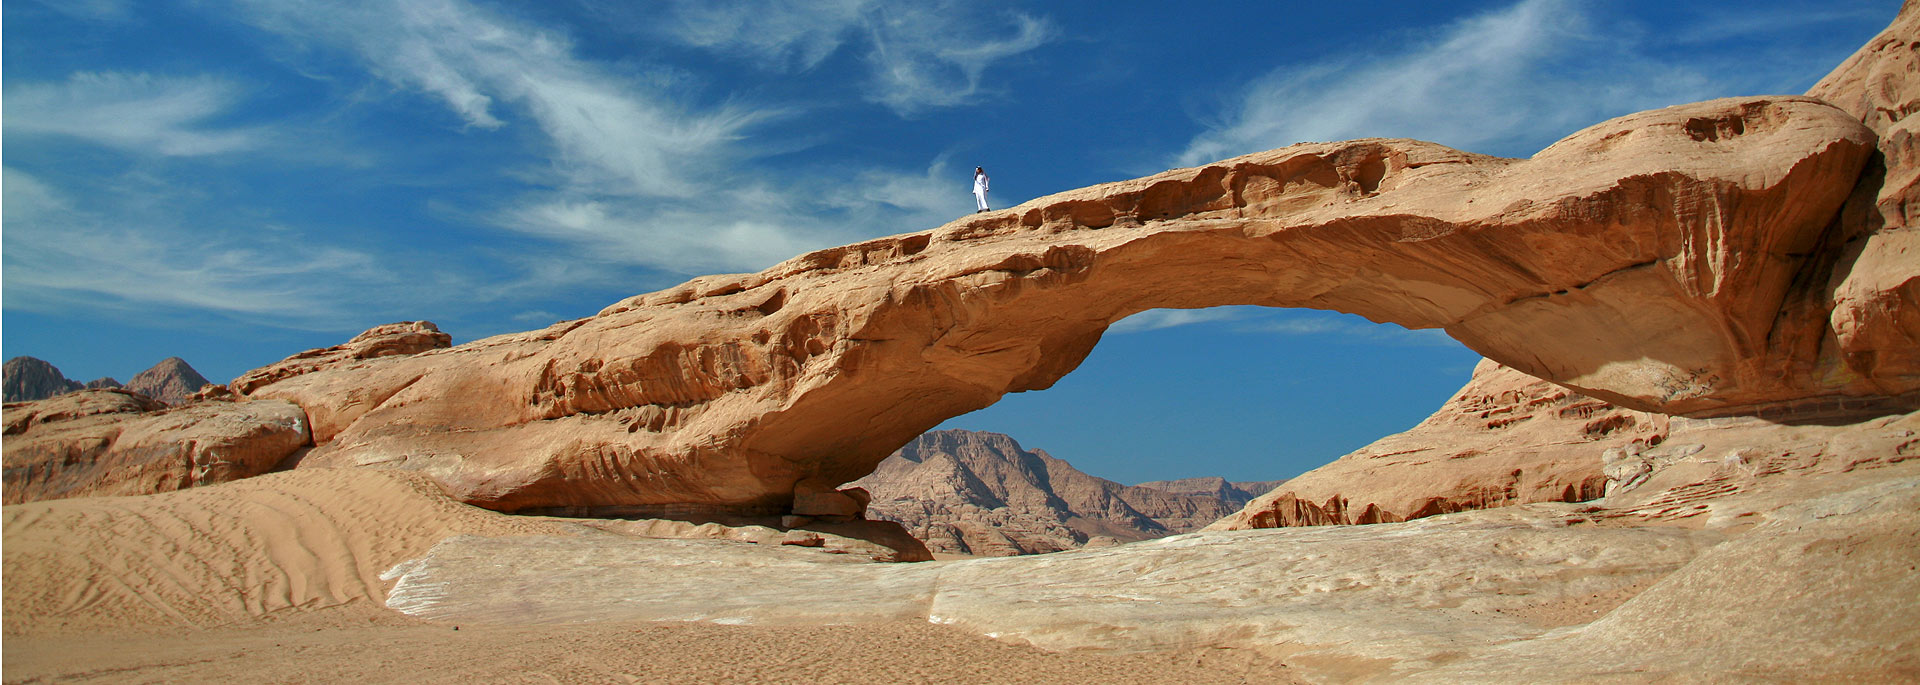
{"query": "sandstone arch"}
pixel 1649 260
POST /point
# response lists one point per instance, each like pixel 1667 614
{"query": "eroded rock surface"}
pixel 1607 262
pixel 116 442
pixel 1876 289
pixel 1506 438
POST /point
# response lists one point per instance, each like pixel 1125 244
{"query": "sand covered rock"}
pixel 1601 263
pixel 1794 578
pixel 1506 438
pixel 117 442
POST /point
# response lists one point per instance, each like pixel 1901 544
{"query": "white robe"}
pixel 980 191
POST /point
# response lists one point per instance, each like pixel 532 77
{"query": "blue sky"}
pixel 233 181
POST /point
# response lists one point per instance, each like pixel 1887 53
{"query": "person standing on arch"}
pixel 980 189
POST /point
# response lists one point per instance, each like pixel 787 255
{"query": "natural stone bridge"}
pixel 1677 261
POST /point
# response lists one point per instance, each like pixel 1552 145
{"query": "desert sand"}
pixel 277 579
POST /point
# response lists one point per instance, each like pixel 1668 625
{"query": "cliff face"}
pixel 969 492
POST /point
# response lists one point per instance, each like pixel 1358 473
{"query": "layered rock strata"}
pixel 969 492
pixel 1645 260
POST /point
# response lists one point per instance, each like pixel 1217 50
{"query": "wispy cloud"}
pixel 922 58
pixel 126 250
pixel 919 56
pixel 780 35
pixel 611 134
pixel 1504 82
pixel 1156 319
pixel 97 10
pixel 1285 322
pixel 135 112
pixel 633 176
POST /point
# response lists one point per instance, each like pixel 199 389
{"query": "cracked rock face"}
pixel 1645 261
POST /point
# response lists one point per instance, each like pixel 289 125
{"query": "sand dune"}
pixel 211 556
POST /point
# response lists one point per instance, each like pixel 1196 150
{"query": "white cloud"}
pixel 1348 328
pixel 1352 328
pixel 611 134
pixel 927 57
pixel 936 195
pixel 637 179
pixel 919 56
pixel 1156 319
pixel 130 111
pixel 780 34
pixel 124 250
pixel 1505 82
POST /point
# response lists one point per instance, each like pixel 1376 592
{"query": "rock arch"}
pixel 1672 261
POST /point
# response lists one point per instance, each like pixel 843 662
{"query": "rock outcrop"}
pixel 117 442
pixel 1506 438
pixel 1875 290
pixel 1645 260
pixel 172 381
pixel 28 379
pixel 969 492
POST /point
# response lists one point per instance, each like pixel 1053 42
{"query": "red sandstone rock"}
pixel 1506 438
pixel 394 339
pixel 115 442
pixel 1876 288
pixel 1606 263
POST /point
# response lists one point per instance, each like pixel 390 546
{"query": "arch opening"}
pixel 1246 393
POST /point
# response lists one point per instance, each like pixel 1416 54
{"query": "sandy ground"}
pixel 276 579
pixel 363 644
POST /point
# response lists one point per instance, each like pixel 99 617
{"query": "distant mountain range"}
pixel 171 381
pixel 970 492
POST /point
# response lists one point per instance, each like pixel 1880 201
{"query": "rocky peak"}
pixel 28 378
pixel 972 492
pixel 171 381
